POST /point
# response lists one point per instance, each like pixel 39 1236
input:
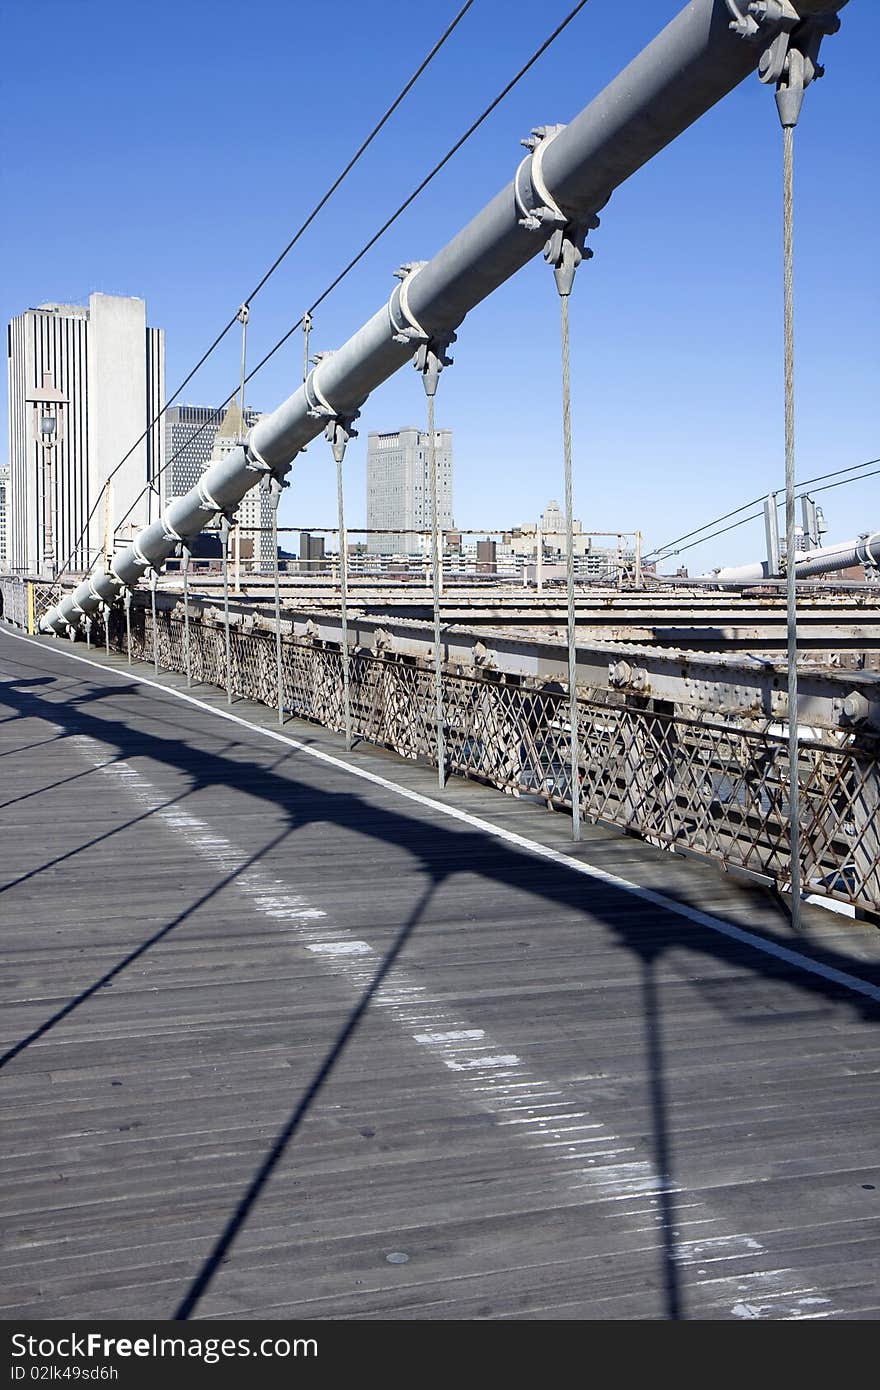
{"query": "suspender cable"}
pixel 275 487
pixel 791 62
pixel 343 597
pixel 185 558
pixel 154 580
pixel 126 602
pixel 338 431
pixel 430 359
pixel 224 541
pixel 435 582
pixel 571 618
pixel 564 252
pixel 790 538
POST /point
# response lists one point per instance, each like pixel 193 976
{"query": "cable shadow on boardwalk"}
pixel 284 1137
pixel 435 846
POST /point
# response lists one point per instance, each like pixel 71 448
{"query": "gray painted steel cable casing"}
pixel 864 551
pixel 689 67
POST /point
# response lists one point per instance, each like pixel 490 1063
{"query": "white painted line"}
pixel 691 914
pixel 460 1035
pixel 509 1059
pixel 341 948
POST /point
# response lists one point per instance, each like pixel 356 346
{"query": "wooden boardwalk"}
pixel 284 1038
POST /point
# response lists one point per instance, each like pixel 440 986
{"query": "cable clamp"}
pixel 790 53
pixel 404 324
pixel 565 250
pixel 254 461
pixel 430 359
pixel 319 406
pixel 863 551
pixel 533 198
pixel 206 497
pixel 339 431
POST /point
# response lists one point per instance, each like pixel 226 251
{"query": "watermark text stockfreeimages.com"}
pixel 97 1346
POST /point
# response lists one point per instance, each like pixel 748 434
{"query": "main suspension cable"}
pixel 299 233
pixel 400 210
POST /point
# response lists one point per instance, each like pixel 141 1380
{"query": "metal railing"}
pixel 24 600
pixel 702 782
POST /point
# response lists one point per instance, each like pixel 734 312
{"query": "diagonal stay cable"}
pixel 807 482
pixel 301 230
pixel 388 223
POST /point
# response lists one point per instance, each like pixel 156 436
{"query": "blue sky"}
pixel 172 149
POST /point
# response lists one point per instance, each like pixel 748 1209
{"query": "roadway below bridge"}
pixel 288 1033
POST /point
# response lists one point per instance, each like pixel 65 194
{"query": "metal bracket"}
pixel 565 250
pixel 276 486
pixel 319 407
pixel 339 431
pixel 243 314
pixel 227 521
pixel 406 327
pixel 254 461
pixel 533 198
pixel 430 359
pixel 790 48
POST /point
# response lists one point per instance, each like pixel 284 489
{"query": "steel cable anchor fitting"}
pixel 565 250
pixel 790 48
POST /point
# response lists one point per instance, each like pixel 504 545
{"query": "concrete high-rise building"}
pixel 399 488
pixel 4 499
pixel 254 515
pixel 192 440
pixel 190 431
pixel 84 384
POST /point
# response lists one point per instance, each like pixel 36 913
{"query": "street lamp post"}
pixel 48 403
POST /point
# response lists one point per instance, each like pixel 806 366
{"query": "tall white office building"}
pixel 399 489
pixel 84 385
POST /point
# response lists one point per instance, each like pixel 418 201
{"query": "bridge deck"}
pixel 298 1042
